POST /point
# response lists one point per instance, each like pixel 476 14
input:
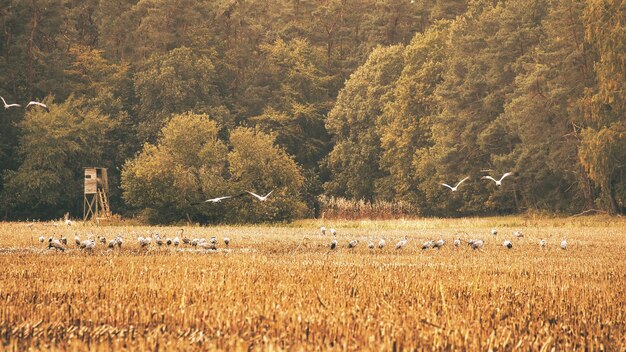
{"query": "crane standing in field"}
pixel 402 243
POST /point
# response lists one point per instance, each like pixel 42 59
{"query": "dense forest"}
pixel 375 100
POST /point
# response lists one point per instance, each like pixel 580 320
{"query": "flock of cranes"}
pixel 61 243
pixel 88 244
pixel 498 182
pixel 264 198
pixel 27 107
pixel 434 244
pixel 220 199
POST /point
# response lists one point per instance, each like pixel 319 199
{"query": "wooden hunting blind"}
pixel 96 199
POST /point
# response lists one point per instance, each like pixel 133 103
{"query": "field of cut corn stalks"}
pixel 283 288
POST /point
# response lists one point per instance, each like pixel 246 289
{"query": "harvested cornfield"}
pixel 283 288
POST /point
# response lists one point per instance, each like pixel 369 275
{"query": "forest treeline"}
pixel 374 100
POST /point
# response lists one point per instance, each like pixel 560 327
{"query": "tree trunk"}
pixel 610 193
pixel 586 187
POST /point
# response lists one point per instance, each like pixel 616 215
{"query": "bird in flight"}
pixel 8 106
pixel 36 103
pixel 216 199
pixel 260 198
pixel 212 200
pixel 457 185
pixel 498 182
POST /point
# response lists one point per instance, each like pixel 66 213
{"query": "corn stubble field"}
pixel 282 288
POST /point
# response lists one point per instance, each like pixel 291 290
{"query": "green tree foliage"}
pixel 291 99
pixel 53 149
pixel 604 144
pixel 190 163
pixel 258 165
pixel 469 134
pixel 407 120
pixel 545 114
pixel 354 161
pixel 374 99
pixel 178 81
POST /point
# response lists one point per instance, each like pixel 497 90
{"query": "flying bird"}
pixel 36 103
pixel 260 198
pixel 498 182
pixel 212 200
pixel 8 106
pixel 457 185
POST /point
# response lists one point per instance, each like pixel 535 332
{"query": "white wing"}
pixel 255 195
pixel 267 195
pixel 218 199
pixel 506 175
pixel 489 178
pixel 38 104
pixel 463 180
pixel 443 184
pixel 6 106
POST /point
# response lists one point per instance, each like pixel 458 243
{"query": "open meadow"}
pixel 283 288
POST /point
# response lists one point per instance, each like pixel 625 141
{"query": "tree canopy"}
pixel 374 100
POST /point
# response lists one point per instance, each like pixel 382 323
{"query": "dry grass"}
pixel 281 288
pixel 342 208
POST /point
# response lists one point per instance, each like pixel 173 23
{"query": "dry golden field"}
pixel 282 288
